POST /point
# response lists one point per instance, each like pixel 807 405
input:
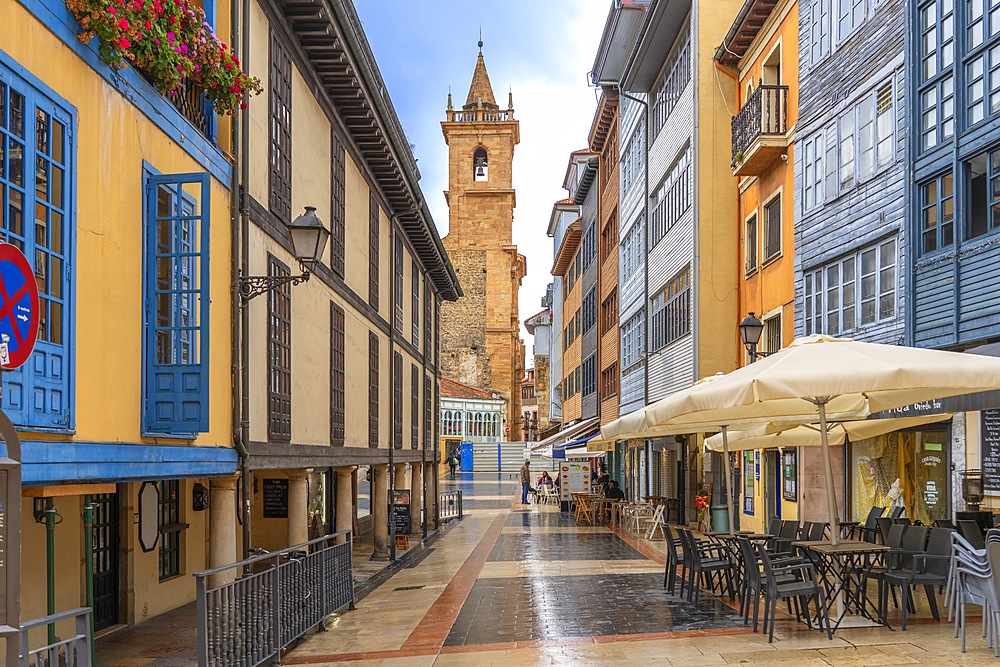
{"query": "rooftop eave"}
pixel 659 32
pixel 330 35
pixel 570 242
pixel 607 110
pixel 744 31
pixel 558 208
pixel 617 41
pixel 586 180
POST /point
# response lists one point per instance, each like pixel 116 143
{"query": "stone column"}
pixel 380 511
pixel 298 507
pixel 399 476
pixel 222 529
pixel 344 517
pixel 430 490
pixel 416 496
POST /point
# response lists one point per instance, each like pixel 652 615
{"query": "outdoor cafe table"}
pixel 845 564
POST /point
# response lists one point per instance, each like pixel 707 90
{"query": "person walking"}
pixel 453 463
pixel 526 482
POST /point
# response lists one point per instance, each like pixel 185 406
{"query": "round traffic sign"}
pixel 19 309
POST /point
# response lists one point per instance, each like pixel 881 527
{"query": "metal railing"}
pixel 190 100
pixel 765 112
pixel 275 599
pixel 450 505
pixel 480 116
pixel 69 652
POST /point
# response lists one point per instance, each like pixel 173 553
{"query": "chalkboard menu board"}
pixel 275 498
pixel 401 511
pixel 989 437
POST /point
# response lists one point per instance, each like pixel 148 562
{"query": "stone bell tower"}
pixel 480 333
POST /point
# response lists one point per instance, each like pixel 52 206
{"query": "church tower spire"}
pixel 481 90
pixel 480 333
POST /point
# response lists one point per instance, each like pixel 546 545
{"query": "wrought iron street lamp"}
pixel 750 330
pixel 309 239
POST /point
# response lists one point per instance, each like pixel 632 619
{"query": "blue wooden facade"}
pixel 850 270
pixel 954 99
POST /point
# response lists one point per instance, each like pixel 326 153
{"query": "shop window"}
pixel 748 482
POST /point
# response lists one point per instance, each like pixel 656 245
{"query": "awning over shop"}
pixel 574 449
pixel 570 432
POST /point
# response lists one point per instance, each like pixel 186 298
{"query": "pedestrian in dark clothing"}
pixel 453 463
pixel 526 482
pixel 613 492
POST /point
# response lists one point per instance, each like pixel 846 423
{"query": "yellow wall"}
pixel 716 273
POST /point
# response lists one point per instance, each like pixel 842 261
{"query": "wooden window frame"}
pixel 280 130
pixel 279 355
pixel 414 407
pixel 397 282
pixel 373 388
pixel 168 511
pixel 337 204
pixel 338 370
pixel 397 400
pixel 373 251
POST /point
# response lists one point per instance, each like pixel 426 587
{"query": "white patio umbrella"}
pixel 818 378
pixel 807 435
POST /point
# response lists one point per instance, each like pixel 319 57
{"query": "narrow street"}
pixel 526 586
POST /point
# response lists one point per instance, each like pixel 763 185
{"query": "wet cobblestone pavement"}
pixel 526 586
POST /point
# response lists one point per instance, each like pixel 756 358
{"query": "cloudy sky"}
pixel 541 51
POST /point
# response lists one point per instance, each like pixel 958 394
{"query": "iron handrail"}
pixel 59 652
pixel 765 113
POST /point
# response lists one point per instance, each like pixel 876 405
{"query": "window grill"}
pixel 373 345
pixel 279 355
pixel 337 209
pixel 168 509
pixel 373 259
pixel 280 127
pixel 337 376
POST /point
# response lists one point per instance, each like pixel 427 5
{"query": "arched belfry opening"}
pixel 480 165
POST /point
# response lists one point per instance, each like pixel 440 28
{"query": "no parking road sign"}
pixel 19 311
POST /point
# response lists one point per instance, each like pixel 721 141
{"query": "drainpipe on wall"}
pixel 392 394
pixel 240 267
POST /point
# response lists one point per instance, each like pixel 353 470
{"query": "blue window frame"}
pixel 36 163
pixel 175 383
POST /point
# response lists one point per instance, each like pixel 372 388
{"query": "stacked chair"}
pixel 972 579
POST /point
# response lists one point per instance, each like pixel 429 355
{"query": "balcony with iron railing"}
pixel 759 130
pixel 191 101
pixel 480 116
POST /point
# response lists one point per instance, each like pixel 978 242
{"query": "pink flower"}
pixel 184 48
pixel 124 43
pixel 123 24
pixel 111 10
pixel 147 25
pixel 156 41
pixel 180 68
pixel 170 36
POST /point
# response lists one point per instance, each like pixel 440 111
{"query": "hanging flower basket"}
pixel 170 43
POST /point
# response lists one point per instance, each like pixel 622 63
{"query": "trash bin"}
pixel 720 518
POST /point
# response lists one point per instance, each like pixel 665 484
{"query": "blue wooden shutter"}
pixel 36 197
pixel 176 304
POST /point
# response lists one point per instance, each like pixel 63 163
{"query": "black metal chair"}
pixel 703 560
pixel 750 585
pixel 787 533
pixel 892 538
pixel 944 523
pixel 928 568
pixel 673 560
pixel 870 528
pixel 883 523
pixel 800 585
pixel 897 512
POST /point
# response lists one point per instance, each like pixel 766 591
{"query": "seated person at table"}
pixel 613 492
pixel 603 478
pixel 544 479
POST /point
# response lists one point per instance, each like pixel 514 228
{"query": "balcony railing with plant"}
pixel 765 113
pixel 169 42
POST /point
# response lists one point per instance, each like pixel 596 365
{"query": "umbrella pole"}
pixel 729 478
pixel 831 493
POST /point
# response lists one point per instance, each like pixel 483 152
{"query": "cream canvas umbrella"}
pixel 807 435
pixel 824 378
pixel 639 425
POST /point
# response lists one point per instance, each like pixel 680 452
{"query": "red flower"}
pixel 123 24
pixel 124 43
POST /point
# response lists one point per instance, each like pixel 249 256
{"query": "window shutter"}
pixel 832 189
pixel 177 280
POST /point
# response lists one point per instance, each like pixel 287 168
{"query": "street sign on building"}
pixel 19 308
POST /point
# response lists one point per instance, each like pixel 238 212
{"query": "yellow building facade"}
pixel 116 180
pixel 763 59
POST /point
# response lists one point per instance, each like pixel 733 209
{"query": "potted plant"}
pixel 170 43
